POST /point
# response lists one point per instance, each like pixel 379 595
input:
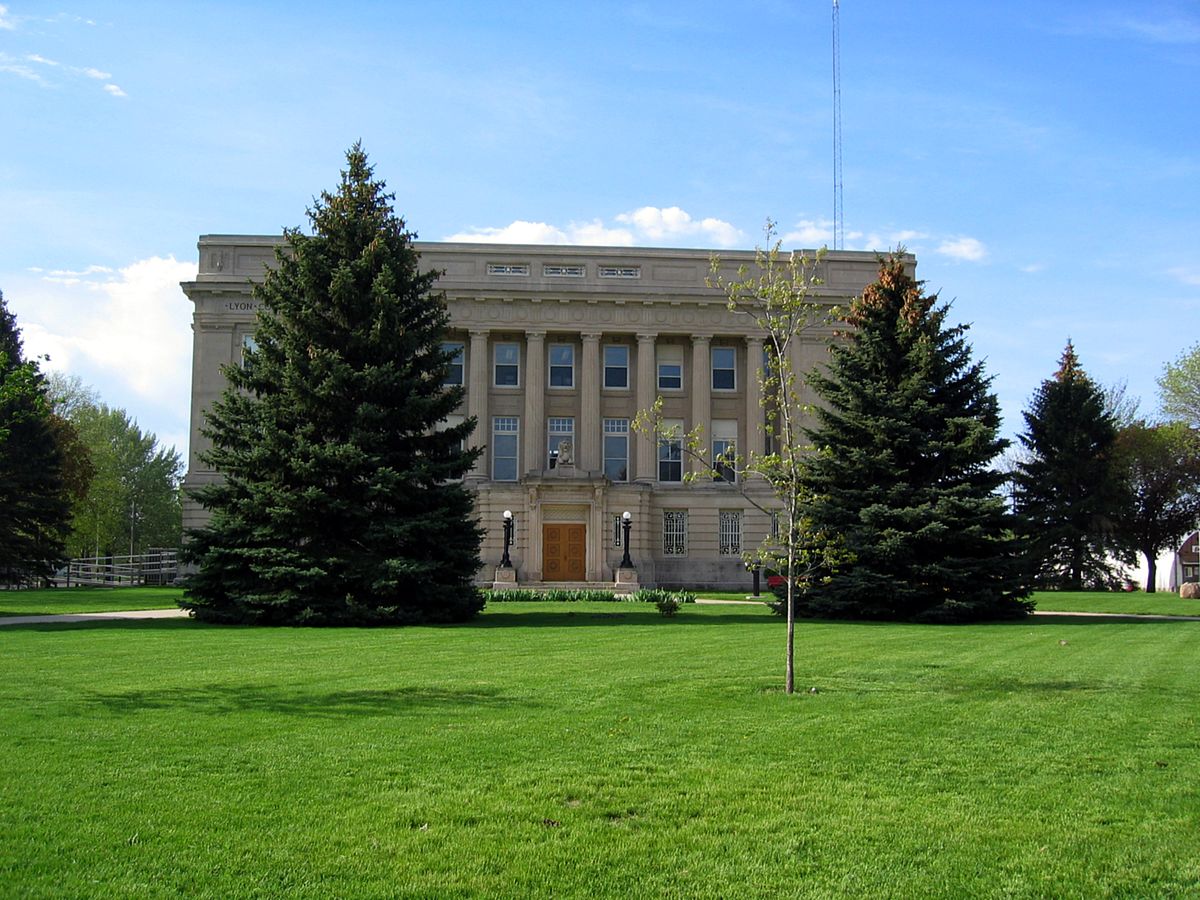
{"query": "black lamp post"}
pixel 505 562
pixel 626 521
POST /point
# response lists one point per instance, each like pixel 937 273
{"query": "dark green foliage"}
pixel 1066 488
pixel 907 433
pixel 34 501
pixel 339 503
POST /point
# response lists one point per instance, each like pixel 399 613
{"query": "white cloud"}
pixel 132 327
pixel 96 74
pixel 20 69
pixel 672 223
pixel 646 225
pixel 7 22
pixel 810 233
pixel 1186 276
pixel 115 91
pixel 518 232
pixel 33 57
pixel 964 248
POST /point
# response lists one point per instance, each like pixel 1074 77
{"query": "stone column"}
pixel 477 399
pixel 644 468
pixel 701 397
pixel 534 425
pixel 755 436
pixel 587 435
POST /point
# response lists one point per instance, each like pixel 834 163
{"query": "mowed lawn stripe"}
pixel 600 750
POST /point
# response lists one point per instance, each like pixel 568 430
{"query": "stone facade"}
pixel 559 347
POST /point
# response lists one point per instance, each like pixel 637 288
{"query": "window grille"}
pixel 508 268
pixel 729 533
pixel 675 522
pixel 618 532
pixel 556 271
pixel 620 271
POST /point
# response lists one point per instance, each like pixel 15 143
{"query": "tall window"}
pixel 508 365
pixel 675 523
pixel 724 448
pixel 504 448
pixel 729 533
pixel 616 366
pixel 670 451
pixel 616 449
pixel 562 365
pixel 458 356
pixel 560 442
pixel 249 345
pixel 724 369
pixel 452 421
pixel 670 367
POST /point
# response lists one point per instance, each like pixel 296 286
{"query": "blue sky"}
pixel 1042 160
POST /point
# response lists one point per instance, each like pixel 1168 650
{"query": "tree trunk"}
pixel 1151 571
pixel 789 681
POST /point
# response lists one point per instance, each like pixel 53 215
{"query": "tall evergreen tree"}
pixel 340 502
pixel 1066 487
pixel 34 502
pixel 905 441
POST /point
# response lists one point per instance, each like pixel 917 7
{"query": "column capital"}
pixel 480 332
pixel 644 338
pixel 535 335
pixel 752 340
pixel 701 338
pixel 591 336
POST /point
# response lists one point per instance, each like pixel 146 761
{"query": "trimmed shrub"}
pixel 524 595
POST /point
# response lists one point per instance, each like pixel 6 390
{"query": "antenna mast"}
pixel 838 224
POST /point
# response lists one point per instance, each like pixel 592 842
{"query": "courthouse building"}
pixel 559 347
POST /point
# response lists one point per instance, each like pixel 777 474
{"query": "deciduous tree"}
pixel 777 294
pixel 341 501
pixel 1179 388
pixel 1159 466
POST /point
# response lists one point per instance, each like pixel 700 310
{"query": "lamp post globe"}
pixel 505 561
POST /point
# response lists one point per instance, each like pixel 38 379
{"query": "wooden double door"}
pixel 564 552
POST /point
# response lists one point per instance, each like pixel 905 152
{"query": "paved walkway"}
pixel 96 617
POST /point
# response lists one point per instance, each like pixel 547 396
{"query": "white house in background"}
pixel 558 348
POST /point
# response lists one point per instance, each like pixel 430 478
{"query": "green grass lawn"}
pixel 86 600
pixel 1163 603
pixel 601 750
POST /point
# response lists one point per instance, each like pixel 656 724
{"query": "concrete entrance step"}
pixel 574 586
